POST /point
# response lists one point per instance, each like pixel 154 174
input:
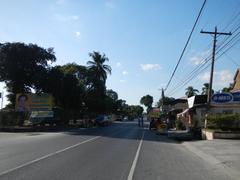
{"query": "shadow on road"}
pixel 123 130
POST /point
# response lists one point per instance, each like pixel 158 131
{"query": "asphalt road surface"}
pixel 122 151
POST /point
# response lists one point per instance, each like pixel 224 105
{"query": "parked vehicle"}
pixel 46 117
pixel 103 120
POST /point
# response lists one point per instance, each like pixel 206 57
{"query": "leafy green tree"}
pixel 165 100
pixel 190 91
pixel 136 111
pixel 121 104
pixel 147 101
pixel 112 94
pixel 227 89
pixel 97 68
pixel 97 82
pixel 205 89
pixel 23 66
pixel 111 101
pixel 66 90
pixel 132 111
pixel 81 72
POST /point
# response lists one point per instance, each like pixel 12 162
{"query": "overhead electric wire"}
pixel 189 37
pixel 234 18
pixel 203 63
pixel 225 45
pixel 231 59
pixel 195 75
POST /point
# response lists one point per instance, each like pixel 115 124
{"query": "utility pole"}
pixel 215 33
pixel 2 100
pixel 162 98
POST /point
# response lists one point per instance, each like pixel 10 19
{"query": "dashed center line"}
pixel 48 155
pixel 130 176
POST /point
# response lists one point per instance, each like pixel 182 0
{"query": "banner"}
pixel 223 98
pixel 154 113
pixel 42 114
pixel 34 102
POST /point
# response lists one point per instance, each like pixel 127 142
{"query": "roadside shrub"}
pixel 8 118
pixel 224 121
pixel 179 125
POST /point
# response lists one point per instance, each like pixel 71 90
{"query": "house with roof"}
pixel 192 116
pixel 236 82
pixel 174 107
pixel 221 103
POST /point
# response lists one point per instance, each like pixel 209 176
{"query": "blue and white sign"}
pixel 236 96
pixel 222 98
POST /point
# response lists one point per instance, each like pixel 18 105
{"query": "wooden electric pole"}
pixel 215 33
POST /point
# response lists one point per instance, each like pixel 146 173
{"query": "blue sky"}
pixel 142 39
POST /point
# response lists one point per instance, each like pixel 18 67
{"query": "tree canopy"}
pixel 190 91
pixel 22 66
pixel 77 89
pixel 147 101
pixel 165 100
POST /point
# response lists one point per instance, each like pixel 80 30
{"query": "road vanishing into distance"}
pixel 121 151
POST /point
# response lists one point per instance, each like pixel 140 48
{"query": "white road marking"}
pixel 130 175
pixel 48 155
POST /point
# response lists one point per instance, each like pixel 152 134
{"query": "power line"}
pixel 206 60
pixel 215 33
pixel 201 70
pixel 199 14
pixel 231 59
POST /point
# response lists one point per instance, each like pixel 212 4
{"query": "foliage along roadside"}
pixel 79 90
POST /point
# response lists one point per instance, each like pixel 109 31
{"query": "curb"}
pixel 27 129
pixel 212 160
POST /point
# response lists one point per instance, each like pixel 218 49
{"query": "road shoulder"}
pixel 195 147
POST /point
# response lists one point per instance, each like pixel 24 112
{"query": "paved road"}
pixel 121 151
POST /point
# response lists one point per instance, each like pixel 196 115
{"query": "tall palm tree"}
pixel 97 68
pixel 190 91
pixel 205 88
pixel 97 76
pixel 147 101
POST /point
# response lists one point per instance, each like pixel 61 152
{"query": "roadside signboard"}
pixel 236 96
pixel 223 98
pixel 34 102
pixel 42 114
pixel 154 113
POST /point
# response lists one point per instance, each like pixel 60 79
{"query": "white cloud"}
pixel 110 4
pixel 77 34
pixel 199 58
pixel 118 64
pixel 221 78
pixel 124 72
pixel 204 77
pixel 148 67
pixel 225 77
pixel 162 85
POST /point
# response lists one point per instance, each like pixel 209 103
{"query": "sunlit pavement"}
pixel 120 151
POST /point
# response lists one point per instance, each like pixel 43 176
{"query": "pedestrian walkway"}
pixel 220 152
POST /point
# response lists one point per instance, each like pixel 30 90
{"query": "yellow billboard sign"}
pixel 154 113
pixel 34 102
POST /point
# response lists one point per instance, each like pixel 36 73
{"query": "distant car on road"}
pixel 103 120
pixel 42 118
pixel 125 118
